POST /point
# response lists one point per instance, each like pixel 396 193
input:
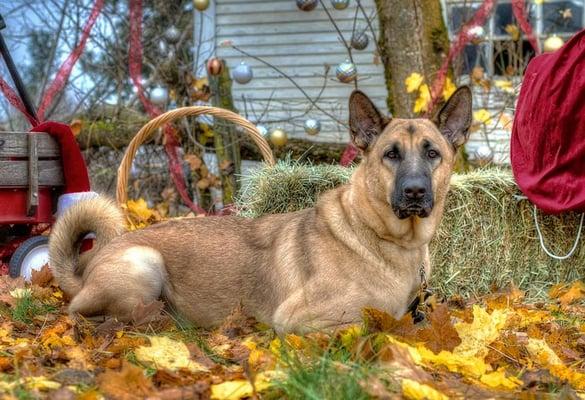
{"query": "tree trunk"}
pixel 413 38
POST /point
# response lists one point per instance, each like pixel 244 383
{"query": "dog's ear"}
pixel 365 121
pixel 455 117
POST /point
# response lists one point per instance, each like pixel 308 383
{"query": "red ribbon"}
pixel 135 68
pixel 519 10
pixel 62 75
pixel 65 70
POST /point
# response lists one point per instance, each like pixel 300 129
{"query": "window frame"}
pixel 487 45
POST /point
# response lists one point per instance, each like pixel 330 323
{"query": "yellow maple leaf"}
pixel 240 388
pixel 504 85
pixel 413 82
pixel 423 100
pixel 40 383
pixel 545 356
pixel 414 390
pixel 140 209
pixel 350 335
pixel 498 379
pixel 482 116
pixel 477 335
pixel 166 353
pixel 448 89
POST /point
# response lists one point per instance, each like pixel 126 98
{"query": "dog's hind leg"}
pixel 117 284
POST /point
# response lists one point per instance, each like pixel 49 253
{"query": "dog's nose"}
pixel 414 189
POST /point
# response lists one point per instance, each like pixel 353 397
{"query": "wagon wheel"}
pixel 151 127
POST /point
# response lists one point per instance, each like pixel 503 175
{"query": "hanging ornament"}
pixel 278 137
pixel 346 72
pixel 172 34
pixel 263 130
pixel 243 73
pixel 484 154
pixel 340 4
pixel 476 33
pixel 162 48
pixel 553 43
pixel 159 95
pixel 307 5
pixel 312 126
pixel 214 66
pixel 359 40
pixel 201 5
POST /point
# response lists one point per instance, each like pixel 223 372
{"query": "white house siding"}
pixel 300 44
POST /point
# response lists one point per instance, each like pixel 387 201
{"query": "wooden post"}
pixel 33 175
pixel 226 142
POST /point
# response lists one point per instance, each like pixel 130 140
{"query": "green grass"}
pixel 27 307
pixel 325 377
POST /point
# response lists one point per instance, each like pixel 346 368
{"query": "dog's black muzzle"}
pixel 413 196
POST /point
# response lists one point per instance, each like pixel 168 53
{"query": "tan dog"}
pixel 360 246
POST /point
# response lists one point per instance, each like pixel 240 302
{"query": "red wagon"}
pixel 31 179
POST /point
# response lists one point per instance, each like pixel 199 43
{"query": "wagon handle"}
pixel 147 131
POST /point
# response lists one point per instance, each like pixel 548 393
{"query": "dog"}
pixel 361 245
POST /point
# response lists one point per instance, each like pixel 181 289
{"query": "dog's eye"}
pixel 432 154
pixel 392 155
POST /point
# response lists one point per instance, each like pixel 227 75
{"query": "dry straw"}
pixel 487 238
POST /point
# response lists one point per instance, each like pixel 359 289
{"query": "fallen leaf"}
pixel 42 277
pixel 476 336
pixel 440 335
pixel 164 352
pixel 129 383
pixel 414 390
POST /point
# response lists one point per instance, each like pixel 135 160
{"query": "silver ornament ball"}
pixel 340 4
pixel 159 95
pixel 242 73
pixel 172 35
pixel 484 154
pixel 263 130
pixel 359 40
pixel 312 126
pixel 346 72
pixel 553 43
pixel 307 5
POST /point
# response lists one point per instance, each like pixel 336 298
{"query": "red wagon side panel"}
pixel 13 203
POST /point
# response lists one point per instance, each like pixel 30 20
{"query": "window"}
pixel 495 51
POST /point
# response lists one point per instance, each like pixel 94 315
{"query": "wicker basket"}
pixel 150 128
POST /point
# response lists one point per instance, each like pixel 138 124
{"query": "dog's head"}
pixel 408 162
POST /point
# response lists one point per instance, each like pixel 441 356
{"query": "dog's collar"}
pixel 418 306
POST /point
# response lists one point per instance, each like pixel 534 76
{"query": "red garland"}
pixel 135 67
pixel 67 66
pixel 519 10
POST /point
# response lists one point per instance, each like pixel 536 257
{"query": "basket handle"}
pixel 150 128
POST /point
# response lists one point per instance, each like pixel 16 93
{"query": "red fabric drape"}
pixel 548 136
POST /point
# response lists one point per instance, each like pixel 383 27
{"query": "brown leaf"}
pixel 440 335
pixel 194 161
pixel 43 277
pixel 237 324
pixel 200 390
pixel 203 183
pixel 143 314
pixel 129 383
pixel 380 321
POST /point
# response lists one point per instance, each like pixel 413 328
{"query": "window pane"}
pixel 460 14
pixel 505 16
pixel 511 58
pixel 472 56
pixel 562 16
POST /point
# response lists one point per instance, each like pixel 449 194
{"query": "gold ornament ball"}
pixel 553 43
pixel 278 137
pixel 201 5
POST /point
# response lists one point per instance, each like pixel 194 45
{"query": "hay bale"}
pixel 487 237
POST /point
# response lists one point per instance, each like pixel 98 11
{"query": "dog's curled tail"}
pixel 98 215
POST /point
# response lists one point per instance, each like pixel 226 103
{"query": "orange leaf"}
pixel 380 321
pixel 130 383
pixel 440 335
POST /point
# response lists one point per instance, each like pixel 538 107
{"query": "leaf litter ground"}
pixel 494 347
